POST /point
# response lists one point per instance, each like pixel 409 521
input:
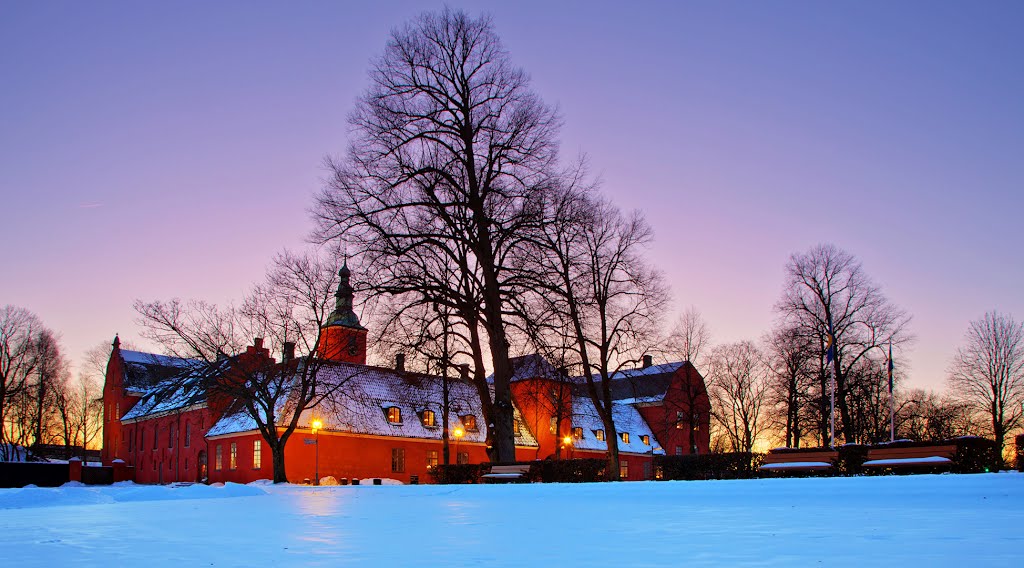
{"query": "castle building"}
pixel 386 422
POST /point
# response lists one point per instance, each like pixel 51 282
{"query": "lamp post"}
pixel 316 437
pixel 458 433
pixel 567 446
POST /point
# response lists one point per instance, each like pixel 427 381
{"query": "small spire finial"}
pixel 117 341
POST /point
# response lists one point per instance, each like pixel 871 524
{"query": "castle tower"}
pixel 341 337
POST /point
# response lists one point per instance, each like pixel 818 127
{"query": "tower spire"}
pixel 343 314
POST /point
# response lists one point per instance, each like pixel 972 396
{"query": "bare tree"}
pixel 590 278
pixel 690 340
pixel 790 357
pixel 450 148
pixel 925 415
pixel 287 311
pixel 988 372
pixel 739 393
pixel 828 293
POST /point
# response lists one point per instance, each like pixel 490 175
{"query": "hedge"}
pixel 458 473
pixel 736 465
pixel 582 470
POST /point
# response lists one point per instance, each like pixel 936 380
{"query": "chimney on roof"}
pixel 258 343
pixel 464 371
pixel 399 361
pixel 648 361
pixel 288 351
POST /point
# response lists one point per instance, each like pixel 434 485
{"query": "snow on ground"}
pixel 928 520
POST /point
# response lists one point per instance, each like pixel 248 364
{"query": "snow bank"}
pixel 74 494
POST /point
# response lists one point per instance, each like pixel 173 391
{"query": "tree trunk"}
pixel 277 456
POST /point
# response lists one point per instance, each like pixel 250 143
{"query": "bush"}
pixel 976 455
pixel 458 473
pixel 851 459
pixel 582 470
pixel 735 465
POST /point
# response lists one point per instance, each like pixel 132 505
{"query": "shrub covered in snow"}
pixel 329 480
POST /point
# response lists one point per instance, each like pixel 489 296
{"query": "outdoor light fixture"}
pixel 316 460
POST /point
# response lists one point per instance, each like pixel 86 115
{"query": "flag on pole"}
pixel 890 367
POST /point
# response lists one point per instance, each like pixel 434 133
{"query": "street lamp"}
pixel 316 436
pixel 458 433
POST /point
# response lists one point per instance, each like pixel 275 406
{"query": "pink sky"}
pixel 161 151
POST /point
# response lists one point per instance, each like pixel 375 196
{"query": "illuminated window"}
pixel 431 458
pixel 218 458
pixel 257 454
pixel 625 437
pixel 646 440
pixel 117 411
pixel 394 415
pixel 233 464
pixel 515 426
pixel 599 434
pixel 397 460
pixel 462 458
pixel 554 425
pixel 623 469
pixel 429 418
pixel 188 434
pixel 577 433
pixel 469 423
pixel 679 420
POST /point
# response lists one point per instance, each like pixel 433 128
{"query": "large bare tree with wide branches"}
pixel 450 148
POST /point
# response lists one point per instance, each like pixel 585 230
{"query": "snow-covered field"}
pixel 925 520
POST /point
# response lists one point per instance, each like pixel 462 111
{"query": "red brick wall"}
pixel 171 460
pixel 537 400
pixel 672 433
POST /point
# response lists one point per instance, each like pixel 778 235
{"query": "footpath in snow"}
pixel 923 520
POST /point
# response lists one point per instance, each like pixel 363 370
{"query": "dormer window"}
pixel 625 437
pixel 577 433
pixel 469 423
pixel 429 418
pixel 515 426
pixel 599 434
pixel 394 415
pixel 646 440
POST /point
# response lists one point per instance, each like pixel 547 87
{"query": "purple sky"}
pixel 154 150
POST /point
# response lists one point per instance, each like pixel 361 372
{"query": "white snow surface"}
pixel 930 460
pixel 918 520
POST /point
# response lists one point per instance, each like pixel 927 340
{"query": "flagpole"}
pixel 892 400
pixel 832 407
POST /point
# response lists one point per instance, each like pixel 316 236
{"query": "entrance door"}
pixel 202 466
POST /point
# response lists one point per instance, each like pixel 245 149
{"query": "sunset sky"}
pixel 157 150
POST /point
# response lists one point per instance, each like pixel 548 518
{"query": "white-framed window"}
pixel 397 460
pixel 462 458
pixel 233 464
pixel 218 457
pixel 623 469
pixel 257 454
pixel 394 415
pixel 431 459
pixel 679 419
pixel 577 433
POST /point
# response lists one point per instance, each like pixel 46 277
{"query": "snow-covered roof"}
pixel 145 371
pixel 627 419
pixel 180 391
pixel 361 404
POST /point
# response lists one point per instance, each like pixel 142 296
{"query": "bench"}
pixel 917 456
pixel 820 460
pixel 506 473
